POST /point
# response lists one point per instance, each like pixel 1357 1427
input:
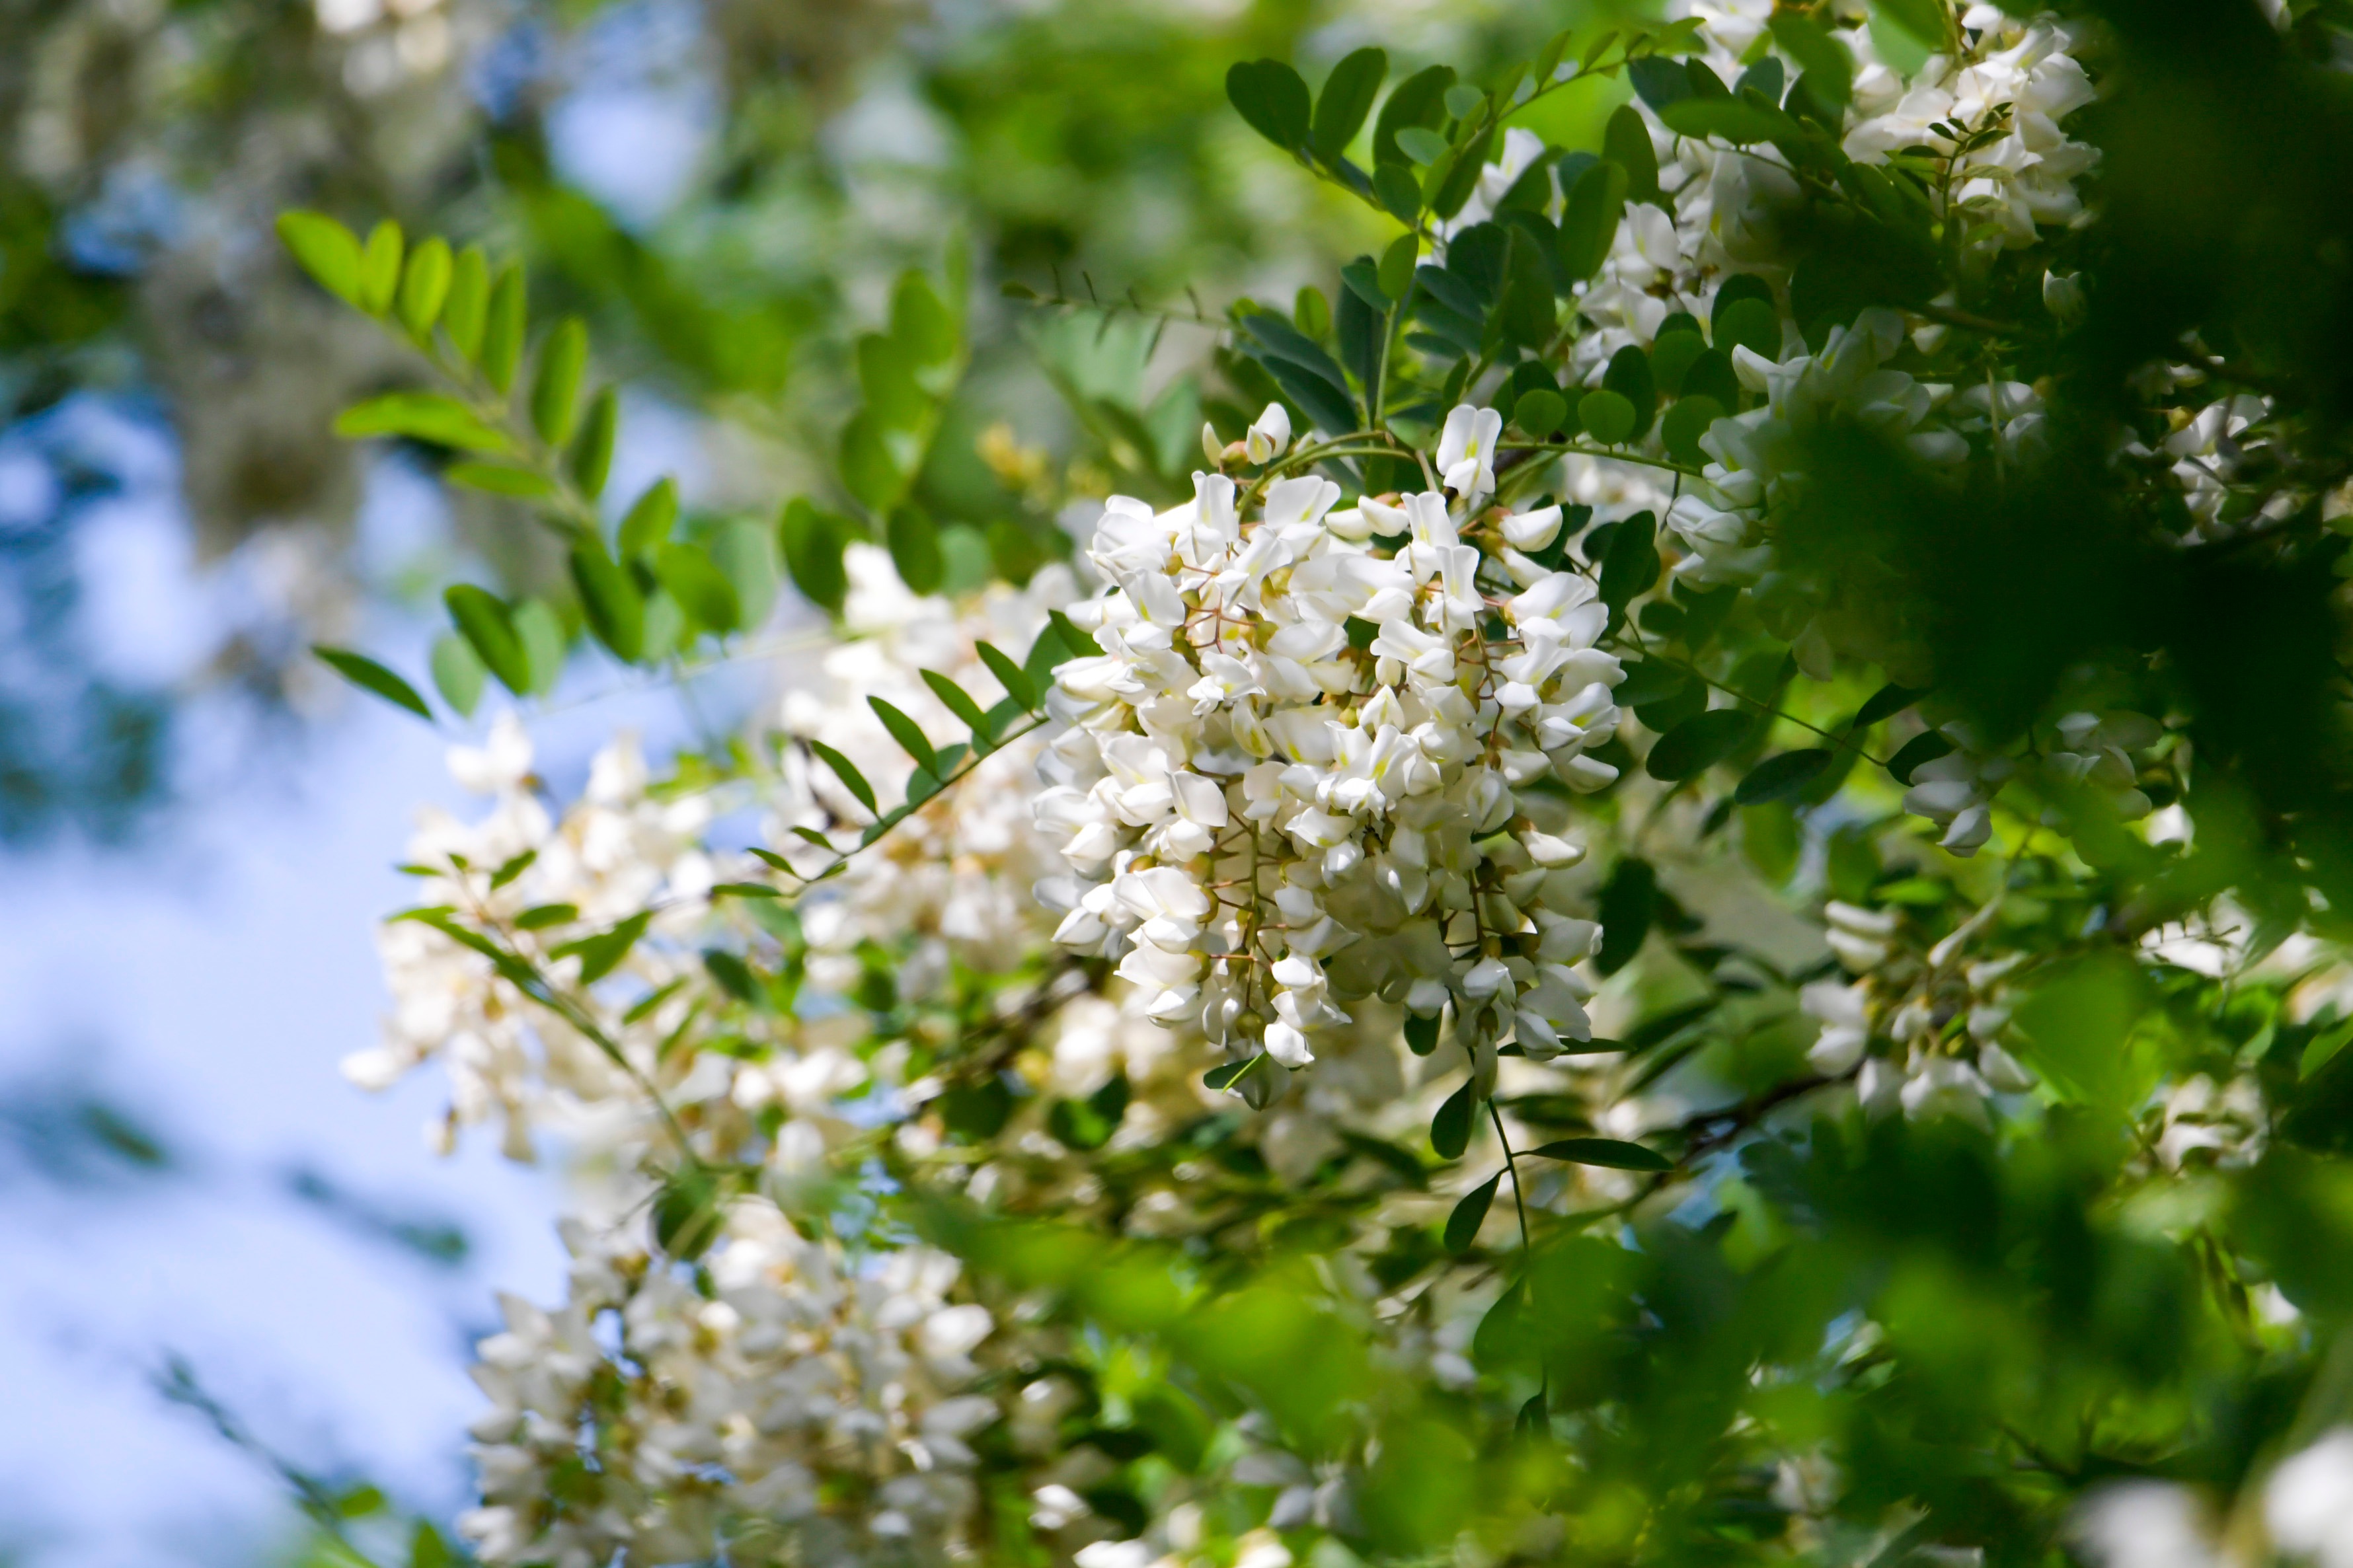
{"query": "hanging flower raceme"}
pixel 1327 754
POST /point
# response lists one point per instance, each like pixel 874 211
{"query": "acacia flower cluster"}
pixel 799 1405
pixel 1322 756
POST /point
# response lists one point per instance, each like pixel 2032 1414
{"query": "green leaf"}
pixel 1396 269
pixel 467 307
pixel 1423 145
pixel 1449 183
pixel 502 479
pixel 457 672
pixel 1589 223
pixel 423 417
pixel 486 626
pixel 427 1550
pixel 813 543
pixel 1751 324
pixel 1626 142
pixel 1659 81
pixel 540 631
pixel 1685 422
pixel 1346 100
pixel 1541 413
pixel 1463 1224
pixel 924 328
pixel 1273 98
pixel 425 287
pixel 1698 743
pixel 1629 903
pixel 600 954
pixel 1399 191
pixel 592 454
pixel 1224 1077
pixel 380 268
pixel 1628 376
pixel 686 1218
pixel 1607 417
pixel 650 518
pixel 1611 1152
pixel 1450 1129
pixel 555 390
pixel 544 915
pixel 1629 566
pixel 1829 69
pixel 1419 100
pixel 702 590
pixel 1925 747
pixel 843 769
pixel 914 543
pixel 2322 1049
pixel 1780 777
pixel 1886 703
pixel 502 328
pixel 908 733
pixel 1009 675
pixel 745 554
pixel 1421 1033
pixel 869 469
pixel 1742 122
pixel 966 710
pixel 1526 313
pixel 610 596
pixel 368 675
pixel 328 251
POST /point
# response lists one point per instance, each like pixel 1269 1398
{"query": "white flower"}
pixel 1270 437
pixel 1466 452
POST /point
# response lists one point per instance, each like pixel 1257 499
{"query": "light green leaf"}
pixel 424 416
pixel 457 672
pixel 425 287
pixel 541 633
pixel 555 390
pixel 328 251
pixel 380 268
pixel 502 328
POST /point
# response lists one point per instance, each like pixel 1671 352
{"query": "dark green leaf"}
pixel 1741 121
pixel 1629 903
pixel 1626 142
pixel 1829 69
pixel 1226 1076
pixel 600 954
pixel 954 699
pixel 1647 681
pixel 686 1218
pixel 489 627
pixel 813 543
pixel 1527 312
pixel 1628 376
pixel 1273 98
pixel 1611 1152
pixel 1629 567
pixel 1346 100
pixel 1698 743
pixel 701 589
pixel 1607 417
pixel 1421 1033
pixel 369 676
pixel 1780 777
pixel 1540 412
pixel 1399 191
pixel 915 541
pixel 609 597
pixel 1450 1129
pixel 1463 1224
pixel 1419 100
pixel 1751 324
pixel 846 772
pixel 1659 81
pixel 1886 703
pixel 907 732
pixel 1685 422
pixel 541 916
pixel 1589 224
pixel 1925 747
pixel 1009 675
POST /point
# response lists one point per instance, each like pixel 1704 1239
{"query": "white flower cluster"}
pixel 1307 767
pixel 2303 1510
pixel 805 1401
pixel 956 874
pixel 614 853
pixel 1924 1029
pixel 2100 752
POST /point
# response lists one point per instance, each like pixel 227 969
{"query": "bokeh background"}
pixel 198 824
